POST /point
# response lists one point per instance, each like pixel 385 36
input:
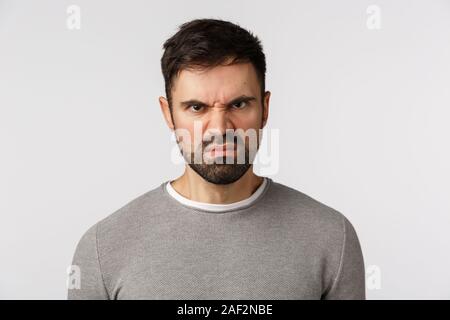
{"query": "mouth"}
pixel 222 150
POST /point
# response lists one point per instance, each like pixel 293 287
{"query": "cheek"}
pixel 251 119
pixel 251 125
pixel 188 135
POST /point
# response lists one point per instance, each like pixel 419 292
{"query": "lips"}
pixel 223 147
pixel 220 150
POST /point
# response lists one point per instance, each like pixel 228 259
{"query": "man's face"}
pixel 217 114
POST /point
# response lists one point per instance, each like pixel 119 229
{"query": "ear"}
pixel 265 108
pixel 164 104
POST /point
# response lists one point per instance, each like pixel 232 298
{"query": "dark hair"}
pixel 205 43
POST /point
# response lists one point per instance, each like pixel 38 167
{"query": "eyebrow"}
pixel 242 98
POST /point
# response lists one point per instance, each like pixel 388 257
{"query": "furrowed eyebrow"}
pixel 242 98
pixel 192 101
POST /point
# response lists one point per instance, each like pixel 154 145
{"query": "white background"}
pixel 363 118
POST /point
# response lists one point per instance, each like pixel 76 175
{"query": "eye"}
pixel 239 105
pixel 195 107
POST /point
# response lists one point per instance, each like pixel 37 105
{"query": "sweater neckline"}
pixel 212 207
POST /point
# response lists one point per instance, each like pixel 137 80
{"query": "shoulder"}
pixel 329 233
pixel 123 224
pixel 132 210
pixel 303 206
pixel 301 213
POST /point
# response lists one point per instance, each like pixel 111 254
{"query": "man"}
pixel 219 231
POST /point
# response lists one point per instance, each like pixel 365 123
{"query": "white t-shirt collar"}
pixel 213 206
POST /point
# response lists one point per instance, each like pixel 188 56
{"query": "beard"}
pixel 220 173
pixel 230 169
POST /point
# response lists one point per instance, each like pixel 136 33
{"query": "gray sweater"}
pixel 283 245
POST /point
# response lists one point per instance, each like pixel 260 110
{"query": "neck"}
pixel 194 187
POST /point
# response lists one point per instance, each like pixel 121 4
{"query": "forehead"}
pixel 216 84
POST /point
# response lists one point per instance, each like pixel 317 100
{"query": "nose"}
pixel 219 122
